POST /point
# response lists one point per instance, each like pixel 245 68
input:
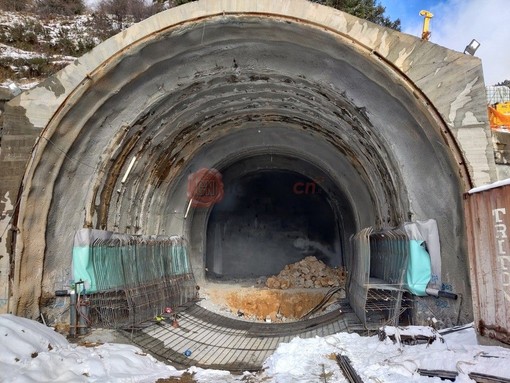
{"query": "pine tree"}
pixel 365 9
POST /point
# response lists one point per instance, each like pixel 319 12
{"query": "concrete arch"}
pixel 385 116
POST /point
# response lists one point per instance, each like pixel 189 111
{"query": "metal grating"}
pixel 131 306
pixel 215 341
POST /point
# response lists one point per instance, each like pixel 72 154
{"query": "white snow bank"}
pixel 305 359
pixel 32 352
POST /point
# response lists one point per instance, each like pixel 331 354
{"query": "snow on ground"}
pixel 74 27
pixel 32 352
pixel 15 53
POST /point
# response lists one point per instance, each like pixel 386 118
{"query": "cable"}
pixel 71 158
pixel 332 291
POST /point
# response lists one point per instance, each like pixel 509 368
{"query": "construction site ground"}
pixel 234 326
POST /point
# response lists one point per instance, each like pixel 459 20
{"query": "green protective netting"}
pixel 115 263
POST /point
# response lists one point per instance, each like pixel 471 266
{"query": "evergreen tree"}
pixel 365 9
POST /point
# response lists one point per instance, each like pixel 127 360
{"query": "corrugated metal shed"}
pixel 488 223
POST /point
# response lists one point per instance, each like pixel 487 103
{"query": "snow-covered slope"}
pixel 33 48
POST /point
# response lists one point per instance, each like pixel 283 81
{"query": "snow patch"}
pixel 493 185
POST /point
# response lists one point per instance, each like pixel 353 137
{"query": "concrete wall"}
pixel 398 124
pixel 16 142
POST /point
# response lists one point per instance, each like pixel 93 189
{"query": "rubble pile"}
pixel 307 273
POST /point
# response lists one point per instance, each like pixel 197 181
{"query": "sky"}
pixel 32 352
pixel 457 22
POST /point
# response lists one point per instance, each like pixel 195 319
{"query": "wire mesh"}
pixel 379 265
pixel 137 278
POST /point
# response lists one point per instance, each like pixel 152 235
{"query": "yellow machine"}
pixel 425 34
pixel 499 115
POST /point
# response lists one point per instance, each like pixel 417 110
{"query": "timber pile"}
pixel 307 273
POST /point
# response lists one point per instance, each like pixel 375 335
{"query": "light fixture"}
pixel 472 47
pixel 133 160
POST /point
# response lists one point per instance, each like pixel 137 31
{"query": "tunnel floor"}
pixel 205 339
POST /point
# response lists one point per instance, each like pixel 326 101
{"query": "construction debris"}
pixel 443 374
pixel 410 335
pixel 308 273
pixel 347 369
pixel 484 378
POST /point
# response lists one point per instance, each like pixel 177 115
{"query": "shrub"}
pixel 59 7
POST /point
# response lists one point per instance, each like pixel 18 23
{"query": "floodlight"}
pixel 472 47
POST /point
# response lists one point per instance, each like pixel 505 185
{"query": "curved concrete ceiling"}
pixel 379 115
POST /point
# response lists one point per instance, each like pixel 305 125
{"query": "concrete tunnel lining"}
pixel 356 118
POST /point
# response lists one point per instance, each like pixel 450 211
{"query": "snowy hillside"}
pixel 33 48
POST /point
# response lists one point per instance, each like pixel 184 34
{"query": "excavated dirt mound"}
pixel 308 273
pixel 288 296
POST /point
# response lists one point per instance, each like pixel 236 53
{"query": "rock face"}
pixel 308 273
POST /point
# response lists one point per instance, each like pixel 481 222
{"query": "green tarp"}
pixel 109 261
pixel 419 268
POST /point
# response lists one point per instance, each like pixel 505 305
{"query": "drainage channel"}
pixel 209 340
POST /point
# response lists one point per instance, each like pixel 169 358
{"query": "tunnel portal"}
pixel 319 123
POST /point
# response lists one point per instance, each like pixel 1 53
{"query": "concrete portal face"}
pixel 387 127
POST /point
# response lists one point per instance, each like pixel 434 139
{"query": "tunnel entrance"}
pixel 119 133
pixel 268 219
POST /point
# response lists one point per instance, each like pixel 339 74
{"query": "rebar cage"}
pixel 135 278
pixel 377 284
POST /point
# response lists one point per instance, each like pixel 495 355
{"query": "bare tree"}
pixel 60 7
pixel 15 5
pixel 123 9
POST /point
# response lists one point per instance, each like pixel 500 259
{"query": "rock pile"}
pixel 307 273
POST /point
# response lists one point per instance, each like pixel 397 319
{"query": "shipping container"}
pixel 488 222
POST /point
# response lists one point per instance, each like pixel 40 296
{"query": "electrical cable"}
pixel 68 156
pixel 332 291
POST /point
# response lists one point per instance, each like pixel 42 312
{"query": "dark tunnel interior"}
pixel 270 218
